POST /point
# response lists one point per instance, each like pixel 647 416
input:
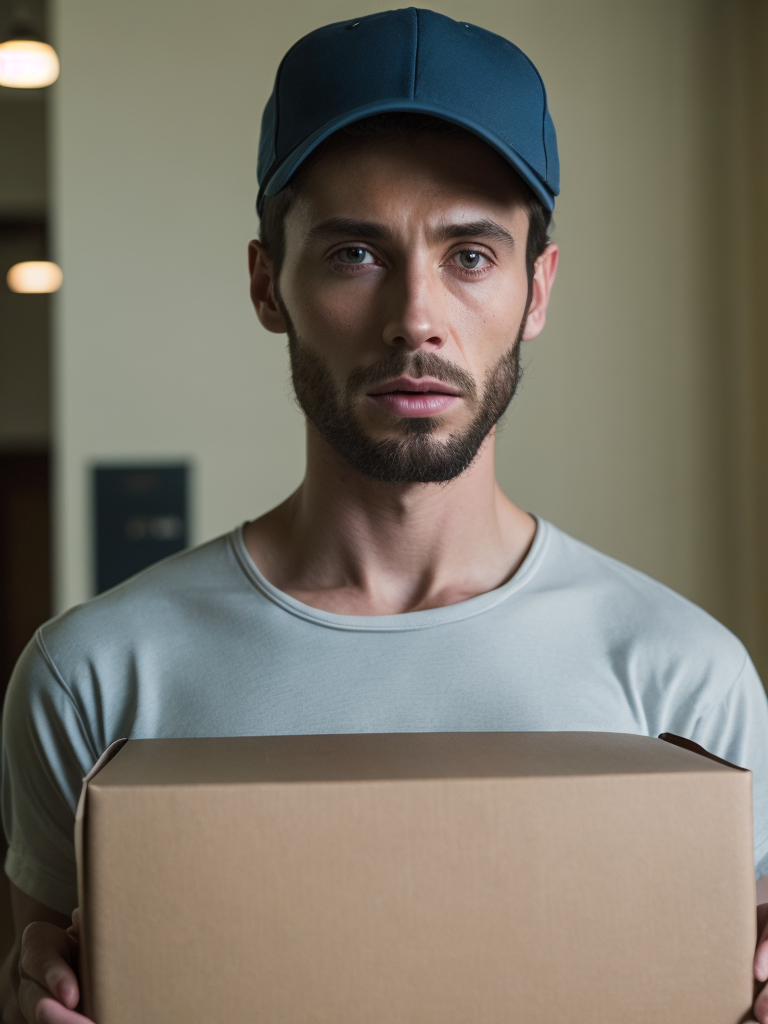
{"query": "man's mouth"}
pixel 414 396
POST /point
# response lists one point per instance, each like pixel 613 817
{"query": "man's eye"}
pixel 470 259
pixel 354 255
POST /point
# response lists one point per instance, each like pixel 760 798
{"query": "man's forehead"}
pixel 438 182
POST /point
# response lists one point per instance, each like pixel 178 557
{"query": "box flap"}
pixel 105 758
pixel 696 748
pixel 390 756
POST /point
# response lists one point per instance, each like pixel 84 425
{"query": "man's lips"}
pixel 416 384
pixel 414 397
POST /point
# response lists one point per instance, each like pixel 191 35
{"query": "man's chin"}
pixel 409 456
pixel 421 427
pixel 399 428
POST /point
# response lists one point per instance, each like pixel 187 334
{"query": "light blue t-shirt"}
pixel 203 645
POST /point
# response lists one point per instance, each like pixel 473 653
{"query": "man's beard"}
pixel 417 457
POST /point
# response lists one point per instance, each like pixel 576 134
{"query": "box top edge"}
pixel 369 757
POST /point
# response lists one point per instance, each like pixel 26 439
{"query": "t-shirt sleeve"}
pixel 45 755
pixel 736 728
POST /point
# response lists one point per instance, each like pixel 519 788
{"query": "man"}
pixel 408 169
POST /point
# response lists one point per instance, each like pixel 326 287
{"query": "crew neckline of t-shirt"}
pixel 407 620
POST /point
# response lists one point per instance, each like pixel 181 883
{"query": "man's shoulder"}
pixel 173 588
pixel 628 603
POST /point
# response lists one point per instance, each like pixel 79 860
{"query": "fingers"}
pixel 760 966
pixel 760 963
pixel 760 1008
pixel 46 964
pixel 761 960
pixel 51 1012
pixel 48 989
pixel 44 1011
pixel 38 1008
pixel 74 929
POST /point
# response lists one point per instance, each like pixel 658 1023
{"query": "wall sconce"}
pixel 36 277
pixel 26 61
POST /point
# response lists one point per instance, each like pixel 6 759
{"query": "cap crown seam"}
pixel 275 136
pixel 543 116
pixel 415 52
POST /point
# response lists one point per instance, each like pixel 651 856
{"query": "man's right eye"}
pixel 354 255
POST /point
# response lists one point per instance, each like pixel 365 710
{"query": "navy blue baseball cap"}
pixel 416 61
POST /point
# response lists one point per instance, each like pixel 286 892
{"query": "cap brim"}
pixel 285 170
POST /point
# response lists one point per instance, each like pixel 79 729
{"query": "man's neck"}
pixel 349 544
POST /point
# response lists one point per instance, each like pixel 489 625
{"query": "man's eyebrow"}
pixel 348 228
pixel 477 229
pixel 343 226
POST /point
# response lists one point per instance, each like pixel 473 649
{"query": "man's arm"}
pixel 39 984
pixel 761 952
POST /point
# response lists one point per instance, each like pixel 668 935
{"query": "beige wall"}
pixel 746 340
pixel 621 434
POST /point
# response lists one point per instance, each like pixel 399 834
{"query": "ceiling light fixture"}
pixel 26 60
pixel 36 277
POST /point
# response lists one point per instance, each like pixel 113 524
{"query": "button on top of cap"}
pixel 353 25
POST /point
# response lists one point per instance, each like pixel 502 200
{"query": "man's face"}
pixel 404 293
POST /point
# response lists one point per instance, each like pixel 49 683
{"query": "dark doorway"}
pixel 25 582
pixel 25 552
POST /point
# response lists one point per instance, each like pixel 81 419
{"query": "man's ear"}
pixel 543 279
pixel 263 289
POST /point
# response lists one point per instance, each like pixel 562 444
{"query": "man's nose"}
pixel 416 310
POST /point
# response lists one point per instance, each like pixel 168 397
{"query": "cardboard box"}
pixel 467 878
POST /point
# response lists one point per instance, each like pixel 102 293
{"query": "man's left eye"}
pixel 470 259
pixel 354 256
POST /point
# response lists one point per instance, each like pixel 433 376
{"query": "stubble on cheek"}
pixel 411 453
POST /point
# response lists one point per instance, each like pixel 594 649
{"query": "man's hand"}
pixel 761 964
pixel 44 982
pixel 48 988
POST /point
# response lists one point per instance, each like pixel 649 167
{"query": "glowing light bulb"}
pixel 36 277
pixel 27 64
